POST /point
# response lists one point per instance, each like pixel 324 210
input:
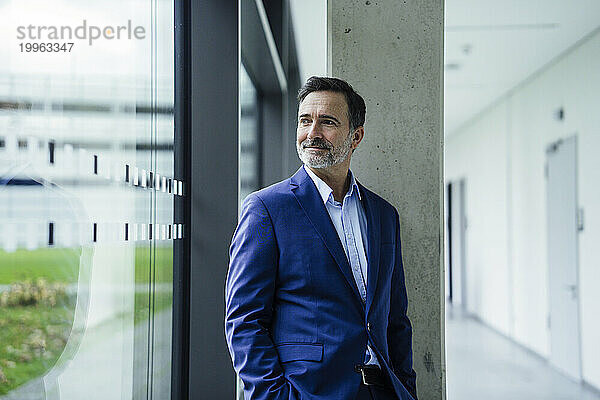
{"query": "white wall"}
pixel 501 153
pixel 479 155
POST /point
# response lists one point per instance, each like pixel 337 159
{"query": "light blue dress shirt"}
pixel 350 223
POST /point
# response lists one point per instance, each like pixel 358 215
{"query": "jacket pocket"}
pixel 300 352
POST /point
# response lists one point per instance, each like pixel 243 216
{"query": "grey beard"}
pixel 332 157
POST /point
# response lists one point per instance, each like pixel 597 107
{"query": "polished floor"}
pixel 482 364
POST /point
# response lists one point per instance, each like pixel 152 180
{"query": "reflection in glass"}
pixel 249 138
pixel 86 205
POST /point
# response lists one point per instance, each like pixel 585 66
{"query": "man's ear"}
pixel 357 136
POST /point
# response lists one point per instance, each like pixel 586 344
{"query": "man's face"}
pixel 323 136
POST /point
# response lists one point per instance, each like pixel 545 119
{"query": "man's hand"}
pixel 249 296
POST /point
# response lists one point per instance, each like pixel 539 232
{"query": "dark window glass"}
pixel 249 137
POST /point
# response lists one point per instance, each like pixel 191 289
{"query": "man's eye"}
pixel 328 122
pixel 304 121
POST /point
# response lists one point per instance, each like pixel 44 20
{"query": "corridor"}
pixel 483 364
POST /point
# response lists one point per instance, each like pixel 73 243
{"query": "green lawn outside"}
pixel 51 264
pixel 33 337
pixel 163 264
pixel 62 265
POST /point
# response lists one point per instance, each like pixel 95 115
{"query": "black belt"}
pixel 372 376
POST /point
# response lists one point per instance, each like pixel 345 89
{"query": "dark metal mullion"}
pixel 182 204
pixel 213 188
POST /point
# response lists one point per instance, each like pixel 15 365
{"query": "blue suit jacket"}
pixel 295 323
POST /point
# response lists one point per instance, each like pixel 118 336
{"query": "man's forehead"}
pixel 323 101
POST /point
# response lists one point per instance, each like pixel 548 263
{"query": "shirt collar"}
pixel 325 191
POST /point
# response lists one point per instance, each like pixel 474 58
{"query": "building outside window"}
pixel 87 189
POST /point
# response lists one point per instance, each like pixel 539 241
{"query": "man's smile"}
pixel 316 148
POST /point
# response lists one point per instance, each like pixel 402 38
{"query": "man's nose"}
pixel 314 130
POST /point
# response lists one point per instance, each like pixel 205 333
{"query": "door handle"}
pixel 573 290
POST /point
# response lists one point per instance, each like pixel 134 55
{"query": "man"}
pixel 315 295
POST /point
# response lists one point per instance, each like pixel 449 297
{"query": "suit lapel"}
pixel 374 239
pixel 308 196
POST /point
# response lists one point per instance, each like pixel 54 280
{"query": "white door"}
pixel 561 196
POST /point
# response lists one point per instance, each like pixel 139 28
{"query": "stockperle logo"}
pixel 91 33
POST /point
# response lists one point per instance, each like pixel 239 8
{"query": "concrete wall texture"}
pixel 392 53
pixel 501 154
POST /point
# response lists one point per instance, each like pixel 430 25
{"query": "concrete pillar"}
pixel 392 53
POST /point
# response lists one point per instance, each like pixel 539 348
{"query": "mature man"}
pixel 316 300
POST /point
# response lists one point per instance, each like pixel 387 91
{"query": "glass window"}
pixel 249 138
pixel 87 188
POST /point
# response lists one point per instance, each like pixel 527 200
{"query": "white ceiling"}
pixel 492 46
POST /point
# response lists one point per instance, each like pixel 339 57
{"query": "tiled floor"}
pixel 482 364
